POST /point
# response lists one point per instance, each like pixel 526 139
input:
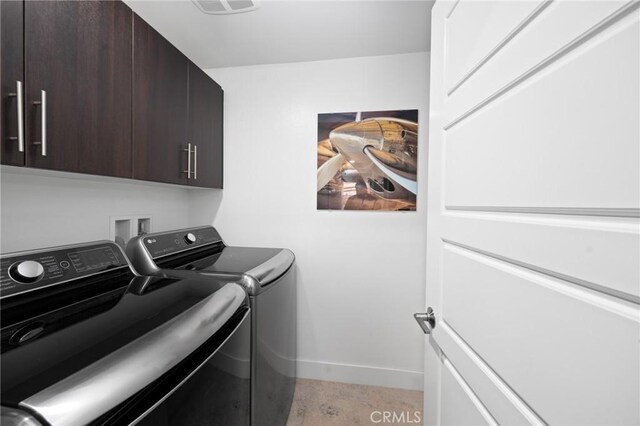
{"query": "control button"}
pixel 26 272
pixel 190 238
pixel 64 264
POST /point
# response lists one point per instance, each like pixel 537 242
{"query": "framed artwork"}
pixel 368 160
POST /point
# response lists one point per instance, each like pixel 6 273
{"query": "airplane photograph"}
pixel 368 161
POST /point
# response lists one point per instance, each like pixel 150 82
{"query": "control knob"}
pixel 26 272
pixel 190 238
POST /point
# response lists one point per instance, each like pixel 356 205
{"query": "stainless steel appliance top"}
pixel 77 322
pixel 201 251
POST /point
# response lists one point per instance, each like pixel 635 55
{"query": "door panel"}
pixel 80 54
pixel 12 48
pixel 461 406
pixel 598 253
pixel 205 127
pixel 533 239
pixel 556 159
pixel 569 23
pixel 476 29
pixel 504 405
pixel 160 88
pixel 535 331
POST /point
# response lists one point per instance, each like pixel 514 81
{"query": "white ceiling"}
pixel 282 31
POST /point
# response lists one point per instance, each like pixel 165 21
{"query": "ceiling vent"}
pixel 224 7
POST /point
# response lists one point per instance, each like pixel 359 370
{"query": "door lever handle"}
pixel 426 321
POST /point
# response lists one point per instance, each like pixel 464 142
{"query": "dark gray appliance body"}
pixel 85 341
pixel 268 276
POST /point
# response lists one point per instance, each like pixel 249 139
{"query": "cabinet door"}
pixel 79 54
pixel 12 81
pixel 205 128
pixel 159 107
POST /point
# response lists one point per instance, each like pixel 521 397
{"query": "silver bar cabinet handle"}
pixel 43 118
pixel 188 171
pixel 195 162
pixel 19 99
pixel 19 96
pixel 426 321
pixel 43 95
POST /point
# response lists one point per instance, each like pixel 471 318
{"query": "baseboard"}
pixel 361 375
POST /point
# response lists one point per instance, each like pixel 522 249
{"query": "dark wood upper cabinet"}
pixel 11 82
pixel 177 114
pixel 160 108
pixel 90 87
pixel 205 128
pixel 78 55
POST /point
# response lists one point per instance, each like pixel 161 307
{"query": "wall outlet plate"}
pixel 120 229
pixel 143 224
pixel 123 228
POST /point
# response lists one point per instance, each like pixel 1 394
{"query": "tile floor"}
pixel 320 403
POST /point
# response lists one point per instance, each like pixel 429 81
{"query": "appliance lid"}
pixel 233 260
pixel 95 339
pixel 201 252
pixel 256 268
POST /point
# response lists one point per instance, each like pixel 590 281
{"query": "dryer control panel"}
pixel 162 244
pixel 28 271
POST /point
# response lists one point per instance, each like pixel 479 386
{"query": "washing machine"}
pixel 86 341
pixel 268 277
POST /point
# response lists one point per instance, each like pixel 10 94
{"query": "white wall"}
pixel 361 274
pixel 46 209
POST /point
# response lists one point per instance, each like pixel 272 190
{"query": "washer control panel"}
pixel 27 271
pixel 163 244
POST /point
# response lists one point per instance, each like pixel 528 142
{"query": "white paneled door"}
pixel 533 241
